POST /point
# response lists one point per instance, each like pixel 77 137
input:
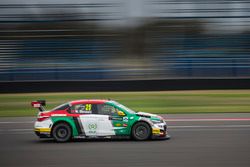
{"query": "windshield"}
pixel 124 108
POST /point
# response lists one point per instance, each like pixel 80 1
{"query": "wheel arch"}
pixel 61 121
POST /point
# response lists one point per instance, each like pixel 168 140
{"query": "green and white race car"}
pixel 97 119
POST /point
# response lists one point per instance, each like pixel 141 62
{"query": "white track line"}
pixel 26 122
pixel 212 126
pixel 206 119
pixel 15 130
pixel 16 133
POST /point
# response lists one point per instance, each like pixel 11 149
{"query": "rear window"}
pixel 62 107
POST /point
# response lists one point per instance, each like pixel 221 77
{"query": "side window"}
pixel 104 109
pixel 83 109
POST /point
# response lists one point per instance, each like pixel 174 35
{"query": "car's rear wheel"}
pixel 62 132
pixel 141 131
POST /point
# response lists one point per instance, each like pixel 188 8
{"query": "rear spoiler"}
pixel 39 104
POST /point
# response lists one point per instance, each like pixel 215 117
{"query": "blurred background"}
pixel 124 40
pixel 168 57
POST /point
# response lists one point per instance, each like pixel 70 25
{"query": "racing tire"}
pixel 62 132
pixel 141 131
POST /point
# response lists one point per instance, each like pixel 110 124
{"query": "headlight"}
pixel 157 121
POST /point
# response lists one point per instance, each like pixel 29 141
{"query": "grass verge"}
pixel 154 102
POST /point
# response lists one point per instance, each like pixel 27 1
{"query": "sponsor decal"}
pixel 92 127
pixel 85 112
pixel 118 124
pixel 156 131
pixel 43 130
pixel 125 125
pixel 125 119
pixel 37 105
pixel 58 115
pixel 161 126
pixel 117 118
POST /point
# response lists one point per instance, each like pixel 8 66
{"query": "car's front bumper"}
pixel 159 131
pixel 164 135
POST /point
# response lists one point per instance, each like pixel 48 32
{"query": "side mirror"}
pixel 120 113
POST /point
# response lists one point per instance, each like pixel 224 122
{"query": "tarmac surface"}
pixel 196 140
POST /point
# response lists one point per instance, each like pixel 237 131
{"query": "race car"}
pixel 96 119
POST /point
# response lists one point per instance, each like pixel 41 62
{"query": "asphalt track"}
pixel 197 140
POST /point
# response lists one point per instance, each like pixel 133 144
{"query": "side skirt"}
pixel 101 137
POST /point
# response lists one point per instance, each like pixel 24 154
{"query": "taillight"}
pixel 42 117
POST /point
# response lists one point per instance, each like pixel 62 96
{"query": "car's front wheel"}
pixel 141 131
pixel 62 132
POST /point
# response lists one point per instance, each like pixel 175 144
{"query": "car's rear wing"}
pixel 39 104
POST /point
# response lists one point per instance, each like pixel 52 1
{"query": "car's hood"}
pixel 149 115
pixel 146 114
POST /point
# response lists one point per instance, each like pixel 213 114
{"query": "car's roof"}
pixel 90 101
